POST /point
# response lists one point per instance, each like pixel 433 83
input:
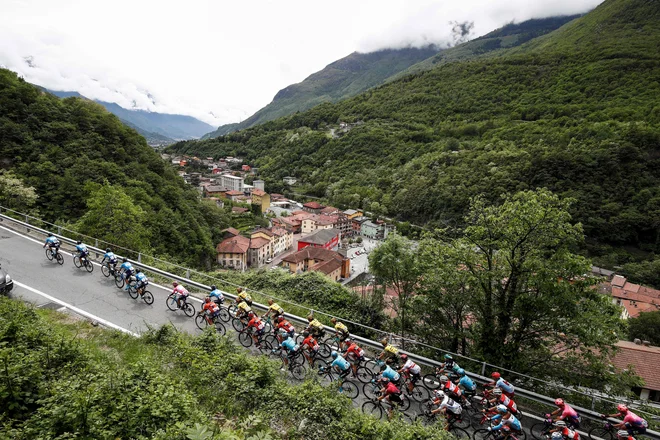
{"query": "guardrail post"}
pixel 188 273
pixel 59 230
pixel 140 257
pixel 483 369
pixel 593 403
pixel 96 243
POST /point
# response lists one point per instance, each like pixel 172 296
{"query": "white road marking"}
pixel 76 309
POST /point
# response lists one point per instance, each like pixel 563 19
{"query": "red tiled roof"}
pixel 234 245
pixel 239 210
pixel 618 281
pixel 635 308
pixel 645 361
pixel 312 253
pixel 258 192
pixel 258 242
pixel 232 231
pixel 329 210
pixel 265 231
pixel 327 220
pixel 327 267
pixel 279 231
pixel 313 205
pixel 233 192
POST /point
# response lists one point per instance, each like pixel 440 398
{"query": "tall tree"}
pixel 395 263
pixel 645 327
pixel 14 194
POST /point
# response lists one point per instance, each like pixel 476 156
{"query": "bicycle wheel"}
pixel 405 405
pixel 119 281
pixel 49 254
pixel 364 374
pixel 171 302
pixel 463 422
pixel 600 433
pixel 224 315
pixel 350 389
pixel 245 339
pixel 324 350
pixel 232 310
pixel 373 408
pixel 220 328
pixel 297 371
pixel 522 435
pixel 482 434
pixel 271 340
pixel 105 270
pixel 188 309
pixel 89 266
pixel 420 393
pixel 148 297
pixel 60 258
pixel 459 433
pixel 76 261
pixel 371 390
pixel 539 430
pixel 426 419
pixel 200 321
pixel 268 327
pixel 132 292
pixel 431 381
pixel 237 324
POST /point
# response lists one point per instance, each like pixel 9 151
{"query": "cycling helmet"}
pixel 207 299
pixel 78 242
pixel 250 314
pixel 213 287
pixel 559 402
pixel 622 433
pixel 495 375
pixel 383 341
pixel 348 340
pixel 443 378
pixel 501 409
pixel 279 319
pixel 270 302
pixel 50 234
pixel 310 318
pixel 305 333
pixel 439 394
pixel 383 379
pixel 556 435
pixel 622 408
pixel 334 354
pixel 560 424
pixel 460 372
pixel 124 259
pixel 448 356
pixel 497 391
pixel 138 271
pixel 107 249
pixel 173 283
pixel 283 332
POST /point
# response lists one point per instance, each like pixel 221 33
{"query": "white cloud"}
pixel 221 61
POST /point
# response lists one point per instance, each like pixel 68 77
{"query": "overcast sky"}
pixel 222 60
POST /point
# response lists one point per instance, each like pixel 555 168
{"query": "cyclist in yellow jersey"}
pixel 275 309
pixel 315 327
pixel 389 353
pixel 243 296
pixel 341 331
pixel 243 310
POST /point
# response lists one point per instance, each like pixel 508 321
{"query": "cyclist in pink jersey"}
pixel 566 413
pixel 631 421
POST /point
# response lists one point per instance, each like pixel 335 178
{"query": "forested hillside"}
pixel 98 175
pixel 576 113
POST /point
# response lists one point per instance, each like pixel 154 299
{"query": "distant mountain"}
pixel 342 79
pixel 153 139
pixel 160 127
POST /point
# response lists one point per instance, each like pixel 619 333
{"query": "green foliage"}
pixel 579 119
pixel 645 272
pixel 59 146
pixel 14 194
pixel 64 380
pixel 645 327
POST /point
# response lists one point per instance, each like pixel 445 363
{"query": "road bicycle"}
pixel 363 373
pixel 108 270
pixel 142 292
pixel 203 320
pixel 224 314
pixel 291 363
pixel 50 254
pixel 486 434
pixel 83 262
pixel 172 304
pixel 541 430
pixel 120 279
pixel 265 343
pixel 419 392
pixel 372 389
pixel 429 418
pixel 346 387
pixel 607 431
pixel 377 408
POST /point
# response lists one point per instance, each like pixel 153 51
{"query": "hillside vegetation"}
pixel 574 111
pixel 67 379
pixel 87 166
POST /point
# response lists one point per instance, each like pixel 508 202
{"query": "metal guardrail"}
pixel 479 378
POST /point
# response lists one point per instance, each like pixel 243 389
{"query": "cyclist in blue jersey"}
pixel 506 419
pixel 141 280
pixel 216 295
pixel 340 365
pixel 83 252
pixel 289 346
pixel 127 271
pixel 387 372
pixel 465 382
pixel 111 258
pixel 53 243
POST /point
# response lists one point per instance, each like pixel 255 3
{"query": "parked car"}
pixel 268 261
pixel 6 283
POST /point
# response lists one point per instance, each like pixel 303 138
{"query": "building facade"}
pixel 261 199
pixel 324 238
pixel 232 252
pixel 232 183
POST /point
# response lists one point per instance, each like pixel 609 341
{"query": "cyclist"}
pixel 566 413
pixel 450 388
pixel 506 419
pixel 243 310
pixel 341 331
pixel 258 325
pixel 631 421
pixel 354 352
pixel 466 384
pixel 53 243
pixel 391 393
pixel 141 280
pixel 210 308
pixel 315 327
pixel 446 405
pixel 216 295
pixel 111 258
pixel 449 364
pixel 412 369
pixel 310 346
pixel 564 432
pixel 387 372
pixel 83 252
pixel 507 388
pixel 283 324
pixel 127 271
pixel 289 347
pixel 181 293
pixel 501 399
pixel 243 296
pixel 340 365
pixel 390 353
pixel 275 309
